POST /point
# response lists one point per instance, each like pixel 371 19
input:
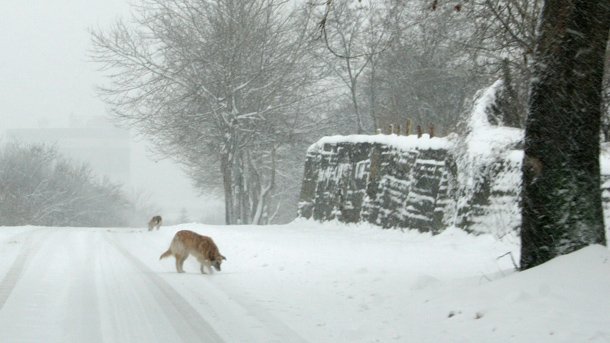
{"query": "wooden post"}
pixel 431 130
pixel 391 129
pixel 398 129
pixel 408 127
pixel 419 132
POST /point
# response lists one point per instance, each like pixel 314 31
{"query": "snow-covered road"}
pixel 301 282
pixel 107 285
pixel 81 285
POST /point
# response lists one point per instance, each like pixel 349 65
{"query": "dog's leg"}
pixel 178 257
pixel 208 264
pixel 179 263
pixel 201 265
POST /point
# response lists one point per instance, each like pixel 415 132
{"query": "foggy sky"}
pixel 46 77
pixel 44 64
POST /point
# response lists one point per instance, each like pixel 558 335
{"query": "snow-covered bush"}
pixel 38 186
pixel 488 161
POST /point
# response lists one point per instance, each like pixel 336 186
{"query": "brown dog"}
pixel 187 242
pixel 155 223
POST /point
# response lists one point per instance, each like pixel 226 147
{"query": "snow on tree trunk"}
pixel 562 210
pixel 263 195
pixel 225 170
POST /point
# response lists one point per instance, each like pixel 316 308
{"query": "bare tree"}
pixel 502 45
pixel 356 34
pixel 38 186
pixel 214 83
pixel 426 75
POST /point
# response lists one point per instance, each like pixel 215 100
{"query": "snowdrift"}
pixel 300 282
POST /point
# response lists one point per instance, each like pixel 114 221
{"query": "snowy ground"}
pixel 302 282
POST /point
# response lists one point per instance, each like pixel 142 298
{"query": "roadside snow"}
pixel 301 282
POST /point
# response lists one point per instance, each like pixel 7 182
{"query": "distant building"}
pixel 104 147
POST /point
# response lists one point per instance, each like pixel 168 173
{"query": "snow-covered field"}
pixel 301 282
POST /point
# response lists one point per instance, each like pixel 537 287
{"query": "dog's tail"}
pixel 166 254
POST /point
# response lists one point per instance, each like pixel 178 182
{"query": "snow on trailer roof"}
pixel 400 142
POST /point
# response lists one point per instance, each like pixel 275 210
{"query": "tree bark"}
pixel 562 210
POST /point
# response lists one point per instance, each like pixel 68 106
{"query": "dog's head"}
pixel 218 261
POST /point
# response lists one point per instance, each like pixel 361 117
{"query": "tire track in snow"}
pixel 274 330
pixel 251 322
pixel 16 270
pixel 190 326
pixel 85 317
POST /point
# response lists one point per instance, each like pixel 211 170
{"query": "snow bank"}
pixel 559 301
pixel 300 282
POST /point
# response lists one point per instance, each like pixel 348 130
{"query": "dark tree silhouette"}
pixel 562 210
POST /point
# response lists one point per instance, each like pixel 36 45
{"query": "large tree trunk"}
pixel 562 209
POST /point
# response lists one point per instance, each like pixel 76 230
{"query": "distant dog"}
pixel 155 223
pixel 187 242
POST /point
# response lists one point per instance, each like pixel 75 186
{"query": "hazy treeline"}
pixel 236 90
pixel 39 186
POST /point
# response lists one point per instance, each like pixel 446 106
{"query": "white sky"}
pixel 44 64
pixel 45 77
